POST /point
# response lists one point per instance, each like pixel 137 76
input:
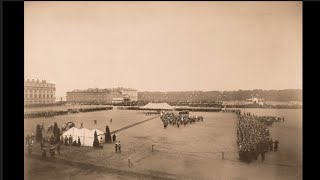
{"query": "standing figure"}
pixel 116 146
pixel 52 153
pixel 30 149
pixel 114 138
pixel 41 145
pixel 81 125
pixel 70 140
pixel 66 141
pixel 119 146
pixel 271 144
pixel 276 142
pixel 79 143
pixel 111 120
pixel 95 122
pixel 44 152
pixel 27 139
pixel 129 162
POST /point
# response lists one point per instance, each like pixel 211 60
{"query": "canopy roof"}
pixel 157 106
pixel 86 136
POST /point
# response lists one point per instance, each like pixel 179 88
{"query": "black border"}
pixel 311 13
pixel 1 91
pixel 13 40
pixel 13 124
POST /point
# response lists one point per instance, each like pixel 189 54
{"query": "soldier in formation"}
pixel 253 136
pixel 173 119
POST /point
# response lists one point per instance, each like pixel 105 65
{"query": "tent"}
pixel 157 106
pixel 86 136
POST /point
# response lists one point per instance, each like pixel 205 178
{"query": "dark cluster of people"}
pixel 51 150
pixel 117 146
pixel 267 120
pixel 93 109
pixel 179 119
pixel 68 141
pixel 254 137
pixel 46 114
pixel 30 139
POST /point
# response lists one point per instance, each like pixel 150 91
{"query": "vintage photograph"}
pixel 163 90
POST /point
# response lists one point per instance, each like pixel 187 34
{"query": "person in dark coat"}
pixel 79 143
pixel 41 145
pixel 51 140
pixel 27 139
pixel 70 140
pixel 276 142
pixel 271 145
pixel 66 140
pixel 119 146
pixel 30 149
pixel 44 152
pixel 116 146
pixel 114 138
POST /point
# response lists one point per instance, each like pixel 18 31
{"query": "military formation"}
pixel 178 119
pixel 253 136
pixel 46 114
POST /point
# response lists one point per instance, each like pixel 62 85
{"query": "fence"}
pixel 213 155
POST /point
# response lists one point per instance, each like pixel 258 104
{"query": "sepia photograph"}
pixel 180 90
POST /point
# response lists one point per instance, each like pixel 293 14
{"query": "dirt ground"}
pixel 189 152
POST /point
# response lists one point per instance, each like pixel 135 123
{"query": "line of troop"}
pixel 46 114
pixel 179 119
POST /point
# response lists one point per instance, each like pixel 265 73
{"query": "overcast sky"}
pixel 164 46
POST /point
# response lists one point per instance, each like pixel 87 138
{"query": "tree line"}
pixel 239 95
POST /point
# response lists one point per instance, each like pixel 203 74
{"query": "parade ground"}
pixel 203 150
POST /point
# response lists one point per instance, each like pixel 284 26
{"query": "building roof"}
pixel 104 90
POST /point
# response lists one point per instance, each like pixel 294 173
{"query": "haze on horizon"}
pixel 164 46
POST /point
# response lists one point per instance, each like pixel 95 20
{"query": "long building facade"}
pixel 102 96
pixel 39 92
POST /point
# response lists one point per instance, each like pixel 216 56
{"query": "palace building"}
pixel 102 96
pixel 39 92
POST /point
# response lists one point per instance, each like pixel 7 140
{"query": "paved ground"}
pixel 193 151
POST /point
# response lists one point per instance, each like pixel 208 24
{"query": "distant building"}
pixel 39 92
pixel 60 99
pixel 101 96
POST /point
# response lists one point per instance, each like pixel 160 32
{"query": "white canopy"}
pixel 86 136
pixel 157 106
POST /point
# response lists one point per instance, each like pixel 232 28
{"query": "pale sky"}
pixel 164 46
